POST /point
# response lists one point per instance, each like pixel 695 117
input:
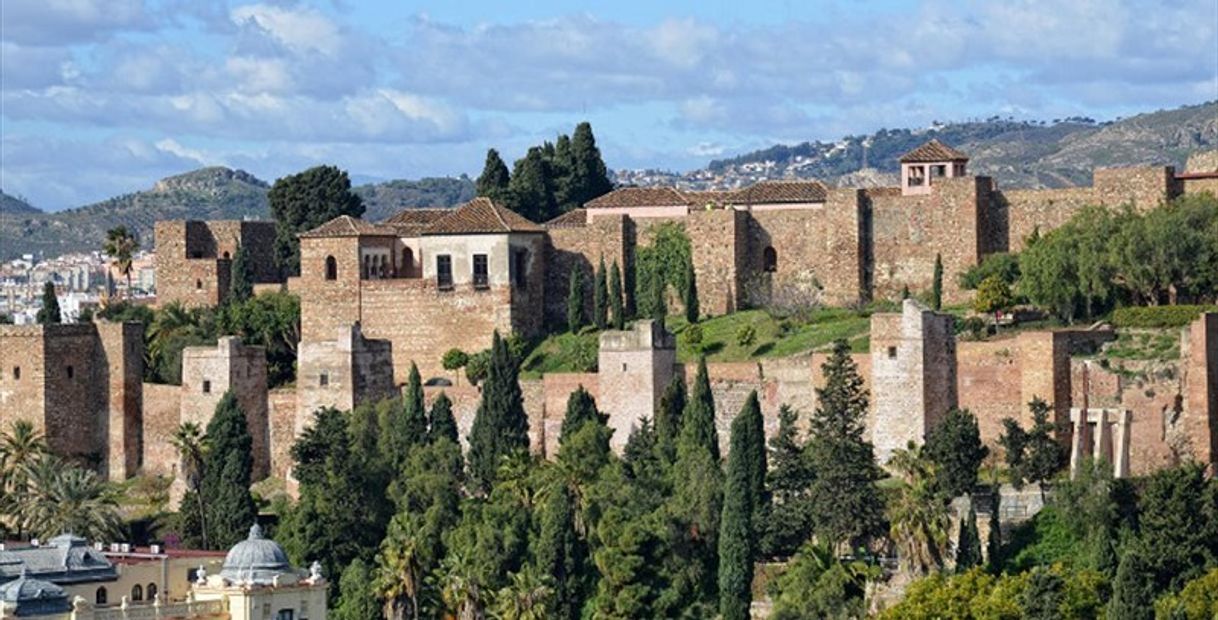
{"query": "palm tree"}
pixel 459 587
pixel 399 575
pixel 189 441
pixel 67 499
pixel 529 596
pixel 21 448
pixel 919 513
pixel 119 246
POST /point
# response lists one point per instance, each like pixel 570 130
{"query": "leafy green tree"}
pixel 1042 600
pixel 1197 601
pixel 640 456
pixel 616 308
pixel 816 585
pixel 954 445
pixel 454 359
pixel 356 600
pixel 532 187
pixel 1001 264
pixel 788 482
pixel 49 313
pixel 120 245
pixel 228 467
pixel 968 546
pixel 443 424
pixel 1049 274
pixel 600 297
pixel 630 545
pixel 692 312
pixel 846 503
pixel 668 419
pixel 1033 455
pixel 581 408
pixel 500 426
pixel 656 302
pixel 269 320
pixel 936 289
pixel 306 200
pixel 737 546
pixel 590 176
pixel 1175 532
pixel 494 181
pixel 993 296
pixel 1133 590
pixel 575 301
pixel 241 277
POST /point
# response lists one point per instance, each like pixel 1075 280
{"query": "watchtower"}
pixel 933 160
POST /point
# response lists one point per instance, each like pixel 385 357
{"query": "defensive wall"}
pixel 194 258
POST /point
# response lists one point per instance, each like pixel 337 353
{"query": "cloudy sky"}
pixel 101 97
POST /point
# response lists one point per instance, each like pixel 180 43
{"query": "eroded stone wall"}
pixel 194 258
pixel 208 373
pixel 582 248
pixel 719 245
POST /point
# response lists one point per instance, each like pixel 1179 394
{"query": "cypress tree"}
pixel 617 310
pixel 581 408
pixel 227 471
pixel 443 424
pixel 562 167
pixel 600 297
pixel 698 418
pixel 590 176
pixel 560 552
pixel 494 180
pixel 500 426
pixel 758 462
pixel 575 301
pixel 656 303
pixel 414 418
pixel 641 456
pixel 1043 597
pixel 1133 590
pixel 936 291
pixel 845 502
pixel 668 419
pixel 531 187
pixel 955 446
pixel 691 295
pixel 968 548
pixel 241 277
pixel 740 498
pixel 49 313
pixel 788 481
pixel 356 601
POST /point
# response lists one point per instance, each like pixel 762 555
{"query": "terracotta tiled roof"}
pixel 701 198
pixel 480 216
pixel 931 152
pixel 413 222
pixel 347 226
pixel 639 197
pixel 770 192
pixel 575 218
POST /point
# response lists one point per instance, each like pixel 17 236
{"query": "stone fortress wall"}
pixel 194 258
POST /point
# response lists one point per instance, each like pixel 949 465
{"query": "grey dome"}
pixel 257 559
pixel 34 596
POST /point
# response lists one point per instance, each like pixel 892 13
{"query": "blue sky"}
pixel 102 97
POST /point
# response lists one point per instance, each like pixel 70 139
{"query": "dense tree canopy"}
pixel 306 200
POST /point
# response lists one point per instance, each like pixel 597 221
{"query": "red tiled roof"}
pixel 931 152
pixel 412 222
pixel 480 216
pixel 347 226
pixel 575 218
pixel 639 197
pixel 701 198
pixel 782 191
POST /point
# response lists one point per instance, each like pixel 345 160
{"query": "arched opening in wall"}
pixel 101 597
pixel 198 285
pixel 331 268
pixel 225 257
pixel 769 260
pixel 407 262
pixel 71 371
pixel 137 592
pixel 151 591
pixel 367 266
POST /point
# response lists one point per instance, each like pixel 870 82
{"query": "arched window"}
pixel 198 284
pixel 137 592
pixel 331 268
pixel 151 591
pixel 225 257
pixel 367 266
pixel 102 597
pixel 407 262
pixel 769 259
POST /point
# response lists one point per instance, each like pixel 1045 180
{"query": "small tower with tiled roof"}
pixel 933 160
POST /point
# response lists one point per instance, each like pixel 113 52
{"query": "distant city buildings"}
pixel 81 281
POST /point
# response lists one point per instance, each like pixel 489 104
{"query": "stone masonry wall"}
pixel 282 410
pixel 635 366
pixel 1199 354
pixel 209 372
pixel 719 246
pixel 582 248
pixel 121 346
pixel 193 258
pixel 343 372
pixel 327 305
pixel 22 376
pixel 162 415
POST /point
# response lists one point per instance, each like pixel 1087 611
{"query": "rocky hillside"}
pixel 1056 153
pixel 14 205
pixel 207 193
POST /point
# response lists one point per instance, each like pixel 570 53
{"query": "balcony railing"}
pixel 154 611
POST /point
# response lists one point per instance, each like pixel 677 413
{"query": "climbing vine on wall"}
pixel 667 257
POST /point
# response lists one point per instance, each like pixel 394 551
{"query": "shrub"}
pixel 454 359
pixel 477 365
pixel 745 335
pixel 1003 265
pixel 1158 316
pixel 974 326
pixel 693 334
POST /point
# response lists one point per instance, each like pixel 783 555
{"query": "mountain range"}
pixel 1057 153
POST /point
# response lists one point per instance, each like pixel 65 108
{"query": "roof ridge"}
pixel 499 216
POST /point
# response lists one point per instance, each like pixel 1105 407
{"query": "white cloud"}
pixel 300 30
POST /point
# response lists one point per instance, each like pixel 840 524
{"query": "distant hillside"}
pixel 207 193
pixel 1058 153
pixel 14 205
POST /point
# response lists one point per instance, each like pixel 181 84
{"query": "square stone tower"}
pixel 634 367
pixel 209 372
pixel 913 375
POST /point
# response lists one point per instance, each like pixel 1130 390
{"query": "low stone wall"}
pixel 162 415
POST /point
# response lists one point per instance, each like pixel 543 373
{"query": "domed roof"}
pixel 256 559
pixel 33 595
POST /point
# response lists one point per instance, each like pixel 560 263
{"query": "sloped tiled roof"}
pixel 412 222
pixel 701 198
pixel 779 191
pixel 639 197
pixel 347 226
pixel 575 218
pixel 480 216
pixel 931 152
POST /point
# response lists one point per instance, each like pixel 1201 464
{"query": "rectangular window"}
pixel 206 387
pixel 520 268
pixel 324 379
pixel 892 353
pixel 481 273
pixel 939 170
pixel 444 272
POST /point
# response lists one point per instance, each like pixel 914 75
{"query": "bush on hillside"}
pixel 1158 316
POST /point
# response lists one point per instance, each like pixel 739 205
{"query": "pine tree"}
pixel 494 180
pixel 303 201
pixel 936 291
pixel 500 426
pixel 668 419
pixel 241 277
pixel 740 498
pixel 954 445
pixel 531 187
pixel 1133 590
pixel 617 310
pixel 228 467
pixel 590 176
pixel 575 301
pixel 846 504
pixel 1043 597
pixel 560 553
pixel 49 313
pixel 641 457
pixel 581 408
pixel 788 481
pixel 443 424
pixel 600 297
pixel 356 601
pixel 691 295
pixel 968 548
